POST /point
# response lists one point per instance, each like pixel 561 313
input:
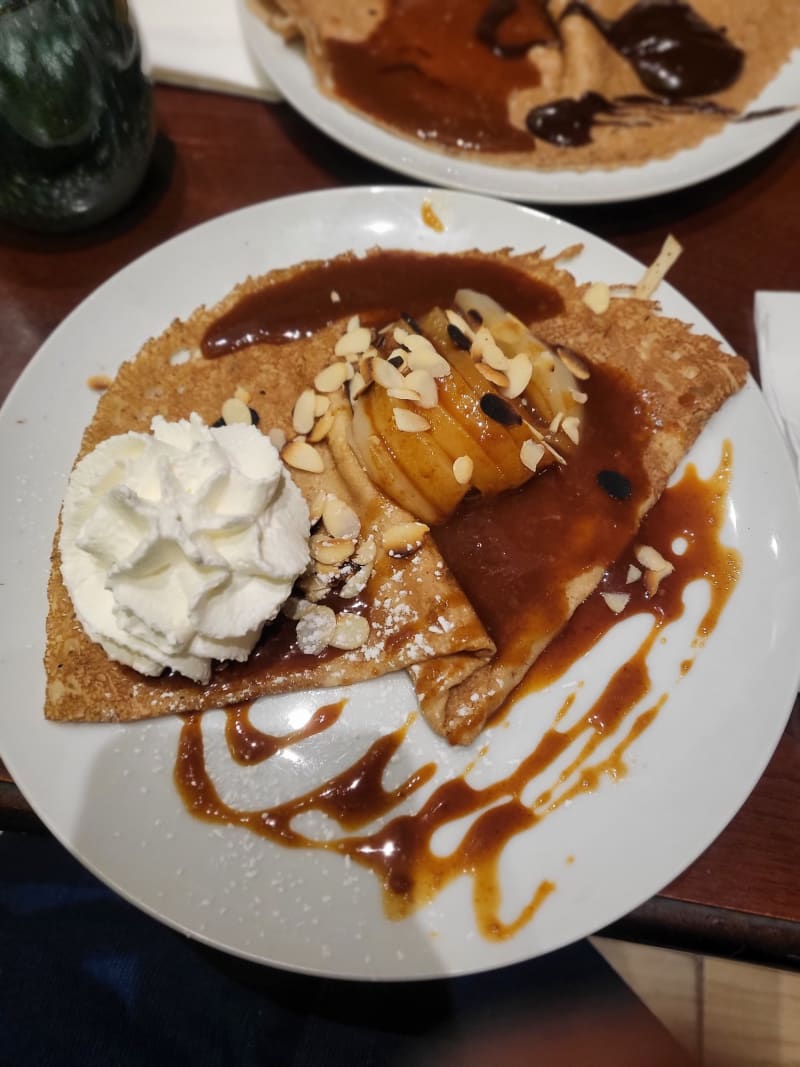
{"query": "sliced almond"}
pixel 519 371
pixel 556 422
pixel 531 453
pixel 491 374
pixel 332 551
pixel 572 428
pixel 353 323
pixel 425 357
pixel 351 631
pixel 315 629
pixel 409 421
pixel 616 602
pixel 321 404
pixel 277 437
pixel 235 410
pixel 322 428
pixel 339 518
pixel 335 298
pixel 633 575
pixel 424 384
pixel 303 412
pixel 387 375
pixel 597 297
pixel 354 343
pixel 242 394
pixel 332 377
pixel 404 538
pixel 462 470
pixel 404 393
pixel 357 582
pixel 653 579
pixel 574 363
pixel 485 347
pixel 303 457
pixel 460 324
pixel 650 558
pixel 295 608
pixel 578 396
pixel 357 386
pixel 315 506
pixel 366 553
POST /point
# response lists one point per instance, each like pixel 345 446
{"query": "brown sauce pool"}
pixel 399 853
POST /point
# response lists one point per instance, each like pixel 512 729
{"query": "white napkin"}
pixel 777 317
pixel 199 43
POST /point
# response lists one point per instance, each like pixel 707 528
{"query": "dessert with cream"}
pixel 177 546
pixel 477 438
pixel 548 84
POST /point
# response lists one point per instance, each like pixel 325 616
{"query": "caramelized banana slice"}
pixel 552 386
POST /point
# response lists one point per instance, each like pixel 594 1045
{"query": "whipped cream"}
pixel 178 545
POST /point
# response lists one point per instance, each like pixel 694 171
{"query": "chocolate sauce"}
pixel 673 50
pixel 443 72
pixel 380 287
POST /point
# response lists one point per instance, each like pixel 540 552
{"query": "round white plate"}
pixel 287 68
pixel 106 791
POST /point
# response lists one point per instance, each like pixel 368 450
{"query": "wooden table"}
pixel 741 232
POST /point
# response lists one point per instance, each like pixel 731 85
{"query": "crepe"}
pixel 426 611
pixel 407 598
pixel 580 62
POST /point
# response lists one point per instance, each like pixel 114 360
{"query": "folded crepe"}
pixel 579 61
pixel 406 598
pixel 469 624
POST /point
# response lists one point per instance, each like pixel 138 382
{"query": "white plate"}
pixel 288 69
pixel 107 792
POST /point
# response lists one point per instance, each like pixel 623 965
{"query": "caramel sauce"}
pixel 379 287
pixel 399 853
pixel 443 72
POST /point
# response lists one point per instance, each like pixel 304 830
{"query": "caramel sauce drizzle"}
pixel 399 852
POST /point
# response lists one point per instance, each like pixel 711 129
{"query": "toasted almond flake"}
pixel 404 393
pixel 531 453
pixel 653 276
pixel 387 375
pixel 353 324
pixel 404 538
pixel 331 378
pixel 427 358
pixel 315 506
pixel 462 470
pixel 519 373
pixel 315 629
pixel 572 428
pixel 633 575
pixel 367 552
pixel 242 394
pixel 574 363
pixel 653 579
pixel 461 324
pixel 357 582
pixel 322 427
pixel 339 518
pixel 303 457
pixel 351 631
pixel 358 385
pixel 597 297
pixel 277 437
pixel 236 411
pixel 616 602
pixel 295 608
pixel 424 384
pixel 410 421
pixel 578 396
pixel 331 550
pixel 556 422
pixel 354 342
pixel 335 298
pixel 650 558
pixel 496 377
pixel 303 412
pixel 321 404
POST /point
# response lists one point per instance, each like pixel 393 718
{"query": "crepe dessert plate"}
pixel 553 103
pixel 328 827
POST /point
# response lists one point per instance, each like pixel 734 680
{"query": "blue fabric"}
pixel 87 979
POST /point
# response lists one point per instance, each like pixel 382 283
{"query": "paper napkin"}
pixel 199 43
pixel 777 318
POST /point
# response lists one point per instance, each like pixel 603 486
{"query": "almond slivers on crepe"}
pixel 467 595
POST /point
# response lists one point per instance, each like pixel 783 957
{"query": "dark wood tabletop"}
pixel 741 232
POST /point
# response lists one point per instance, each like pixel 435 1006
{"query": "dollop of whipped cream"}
pixel 179 545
